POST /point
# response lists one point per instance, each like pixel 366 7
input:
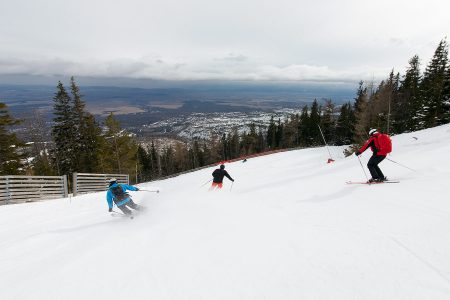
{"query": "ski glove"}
pixel 110 209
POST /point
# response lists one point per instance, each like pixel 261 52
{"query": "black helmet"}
pixel 222 167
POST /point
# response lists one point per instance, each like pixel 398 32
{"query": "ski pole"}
pixel 362 167
pixel 231 185
pixel 326 145
pixel 157 191
pixel 401 165
pixel 206 183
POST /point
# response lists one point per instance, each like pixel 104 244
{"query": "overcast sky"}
pixel 325 40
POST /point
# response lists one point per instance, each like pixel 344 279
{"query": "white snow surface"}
pixel 290 228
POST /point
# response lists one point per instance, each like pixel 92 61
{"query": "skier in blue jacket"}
pixel 117 193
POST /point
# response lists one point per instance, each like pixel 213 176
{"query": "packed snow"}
pixel 288 228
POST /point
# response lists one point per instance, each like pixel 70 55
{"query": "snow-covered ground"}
pixel 290 228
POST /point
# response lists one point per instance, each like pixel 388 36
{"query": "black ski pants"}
pixel 125 208
pixel 373 166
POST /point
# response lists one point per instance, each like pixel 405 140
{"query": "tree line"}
pixel 78 143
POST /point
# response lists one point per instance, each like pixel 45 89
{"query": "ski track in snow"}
pixel 290 229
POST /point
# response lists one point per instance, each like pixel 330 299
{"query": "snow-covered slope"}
pixel 289 229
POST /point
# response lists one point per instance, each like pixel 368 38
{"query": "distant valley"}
pixel 180 112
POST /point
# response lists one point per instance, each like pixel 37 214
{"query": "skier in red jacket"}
pixel 381 146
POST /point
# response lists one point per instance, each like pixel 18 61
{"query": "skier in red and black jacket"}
pixel 381 146
pixel 218 176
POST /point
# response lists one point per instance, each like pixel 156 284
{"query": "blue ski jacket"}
pixel 110 196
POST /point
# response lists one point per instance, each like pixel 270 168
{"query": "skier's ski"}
pixel 117 214
pixel 369 183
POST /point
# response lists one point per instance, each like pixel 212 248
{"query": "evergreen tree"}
pixel 38 135
pixel 408 104
pixel 64 133
pixel 144 166
pixel 291 131
pixel 313 122
pixel 154 161
pixel 279 134
pixel 10 156
pixel 304 130
pixel 328 123
pixel 89 140
pixel 432 89
pixel 379 106
pixel 360 110
pixel 271 134
pixel 261 144
pixel 234 143
pixel 93 143
pixel 446 98
pixel 345 126
pixel 120 151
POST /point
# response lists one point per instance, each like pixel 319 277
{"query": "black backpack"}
pixel 118 192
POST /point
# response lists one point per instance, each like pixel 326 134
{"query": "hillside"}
pixel 290 228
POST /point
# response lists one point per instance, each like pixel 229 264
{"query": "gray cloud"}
pixel 210 39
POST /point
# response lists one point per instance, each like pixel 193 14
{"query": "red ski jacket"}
pixel 375 146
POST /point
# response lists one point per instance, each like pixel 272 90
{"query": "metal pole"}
pixel 206 182
pixel 326 145
pixel 362 167
pixel 401 165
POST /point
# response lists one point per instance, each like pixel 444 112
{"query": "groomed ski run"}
pixel 289 229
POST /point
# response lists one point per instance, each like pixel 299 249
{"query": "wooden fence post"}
pixel 66 190
pixel 8 192
pixel 75 183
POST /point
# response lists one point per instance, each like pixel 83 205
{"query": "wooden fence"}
pixel 17 189
pixel 87 183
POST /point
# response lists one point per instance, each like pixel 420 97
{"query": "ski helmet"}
pixel 222 167
pixel 112 180
pixel 372 131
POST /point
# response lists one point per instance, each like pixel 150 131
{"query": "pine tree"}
pixel 361 119
pixel 271 134
pixel 144 165
pixel 10 156
pixel 446 98
pixel 234 143
pixel 120 152
pixel 38 135
pixel 408 104
pixel 304 130
pixel 328 123
pixel 154 161
pixel 379 106
pixel 88 136
pixel 313 122
pixel 432 89
pixel 345 126
pixel 92 145
pixel 64 132
pixel 291 131
pixel 279 134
